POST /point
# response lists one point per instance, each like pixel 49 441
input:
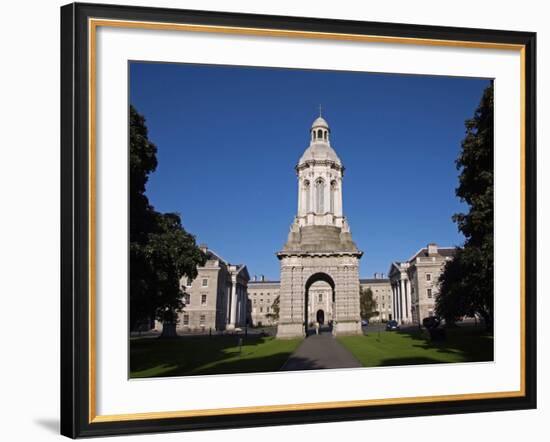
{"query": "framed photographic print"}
pixel 274 220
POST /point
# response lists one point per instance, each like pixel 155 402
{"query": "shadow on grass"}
pixel 473 343
pixel 414 360
pixel 201 355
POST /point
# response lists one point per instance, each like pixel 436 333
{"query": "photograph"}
pixel 304 219
pixel 274 220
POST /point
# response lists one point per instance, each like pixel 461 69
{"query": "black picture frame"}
pixel 76 418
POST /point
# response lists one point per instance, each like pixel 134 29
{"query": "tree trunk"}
pixel 168 330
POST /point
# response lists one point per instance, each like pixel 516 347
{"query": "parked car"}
pixel 392 325
pixel 364 322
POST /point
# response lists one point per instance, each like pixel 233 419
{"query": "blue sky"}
pixel 228 139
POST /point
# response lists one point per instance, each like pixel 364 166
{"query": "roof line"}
pixel 217 255
pixel 422 248
pixel 415 254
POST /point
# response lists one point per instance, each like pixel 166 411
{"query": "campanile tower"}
pixel 319 245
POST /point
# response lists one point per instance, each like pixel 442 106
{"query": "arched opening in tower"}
pixel 319 300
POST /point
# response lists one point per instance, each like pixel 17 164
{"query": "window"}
pixel 203 299
pixel 320 133
pixel 320 297
pixel 307 197
pixel 187 298
pixel 332 192
pixel 267 309
pixel 428 277
pixel 320 195
pixel 189 282
pixel 202 320
pixel 185 319
pixel 429 293
pixel 254 301
pixel 205 282
pixel 261 309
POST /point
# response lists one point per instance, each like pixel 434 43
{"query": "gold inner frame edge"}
pixel 93 24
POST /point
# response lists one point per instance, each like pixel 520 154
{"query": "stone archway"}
pixel 341 279
pixel 311 313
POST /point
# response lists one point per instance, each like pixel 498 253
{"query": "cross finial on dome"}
pixel 320 111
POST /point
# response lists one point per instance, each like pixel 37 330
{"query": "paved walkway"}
pixel 320 351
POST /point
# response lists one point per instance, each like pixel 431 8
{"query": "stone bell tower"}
pixel 319 245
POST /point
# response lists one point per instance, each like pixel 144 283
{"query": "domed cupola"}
pixel 320 130
pixel 319 145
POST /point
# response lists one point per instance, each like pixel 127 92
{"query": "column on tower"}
pixel 327 207
pixel 336 186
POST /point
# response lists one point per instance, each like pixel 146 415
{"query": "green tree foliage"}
pixel 161 251
pixel 367 304
pixel 170 253
pixel 467 282
pixel 143 161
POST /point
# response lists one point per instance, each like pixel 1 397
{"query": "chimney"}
pixel 381 276
pixel 203 248
pixel 263 278
pixel 432 249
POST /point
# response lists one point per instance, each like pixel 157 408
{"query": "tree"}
pixel 467 282
pixel 161 251
pixel 275 308
pixel 367 304
pixel 170 253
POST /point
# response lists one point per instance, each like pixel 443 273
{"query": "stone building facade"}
pixel 217 298
pixel 382 296
pixel 319 245
pixel 424 269
pixel 261 296
pixel 415 283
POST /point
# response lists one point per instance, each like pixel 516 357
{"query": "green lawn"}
pixel 408 348
pixel 194 355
